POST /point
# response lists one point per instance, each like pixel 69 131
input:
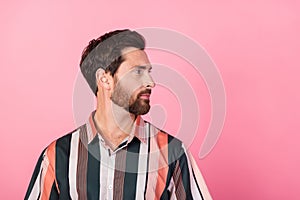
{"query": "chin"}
pixel 138 109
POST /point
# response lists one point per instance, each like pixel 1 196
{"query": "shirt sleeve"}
pixel 43 184
pixel 187 181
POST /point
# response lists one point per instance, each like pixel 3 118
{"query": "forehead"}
pixel 132 58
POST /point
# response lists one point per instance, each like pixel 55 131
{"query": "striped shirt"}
pixel 149 164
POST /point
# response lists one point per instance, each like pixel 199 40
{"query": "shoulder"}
pixel 62 144
pixel 173 145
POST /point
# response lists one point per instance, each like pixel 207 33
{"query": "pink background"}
pixel 255 45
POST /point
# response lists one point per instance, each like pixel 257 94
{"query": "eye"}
pixel 138 71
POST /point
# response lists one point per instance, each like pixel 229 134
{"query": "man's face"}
pixel 133 83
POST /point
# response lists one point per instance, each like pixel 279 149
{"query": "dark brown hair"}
pixel 106 52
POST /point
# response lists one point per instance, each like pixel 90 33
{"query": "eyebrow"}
pixel 143 67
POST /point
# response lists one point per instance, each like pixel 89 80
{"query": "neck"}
pixel 114 122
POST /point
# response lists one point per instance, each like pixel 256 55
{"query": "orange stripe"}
pixel 138 120
pixel 162 141
pixel 50 174
pixel 137 126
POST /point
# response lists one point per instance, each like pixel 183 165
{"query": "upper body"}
pixel 150 164
pixel 116 154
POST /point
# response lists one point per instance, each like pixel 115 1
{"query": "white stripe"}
pixel 103 171
pixel 73 164
pixel 172 190
pixel 36 187
pixel 199 178
pixel 142 167
pixel 89 132
pixel 45 166
pixel 110 175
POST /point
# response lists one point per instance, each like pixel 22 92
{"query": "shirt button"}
pixel 110 187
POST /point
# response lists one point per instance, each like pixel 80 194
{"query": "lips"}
pixel 145 94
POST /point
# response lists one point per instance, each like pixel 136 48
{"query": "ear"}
pixel 103 79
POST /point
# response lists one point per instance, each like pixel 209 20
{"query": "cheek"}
pixel 134 95
pixel 131 85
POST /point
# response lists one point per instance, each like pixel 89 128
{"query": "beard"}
pixel 136 106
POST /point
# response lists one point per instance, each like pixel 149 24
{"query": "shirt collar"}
pixel 138 130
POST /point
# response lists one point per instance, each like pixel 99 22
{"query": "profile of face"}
pixel 133 83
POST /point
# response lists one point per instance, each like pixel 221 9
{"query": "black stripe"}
pixel 122 144
pixel 148 155
pixel 93 169
pixel 185 174
pixel 62 154
pixel 197 184
pixel 53 193
pixel 35 175
pixel 132 160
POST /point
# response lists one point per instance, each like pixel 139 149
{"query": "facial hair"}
pixel 134 105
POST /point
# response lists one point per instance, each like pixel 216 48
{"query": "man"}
pixel 116 154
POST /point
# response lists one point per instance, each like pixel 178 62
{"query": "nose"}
pixel 148 82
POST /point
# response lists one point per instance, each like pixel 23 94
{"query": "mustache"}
pixel 147 91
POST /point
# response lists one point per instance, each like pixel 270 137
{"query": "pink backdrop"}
pixel 254 44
